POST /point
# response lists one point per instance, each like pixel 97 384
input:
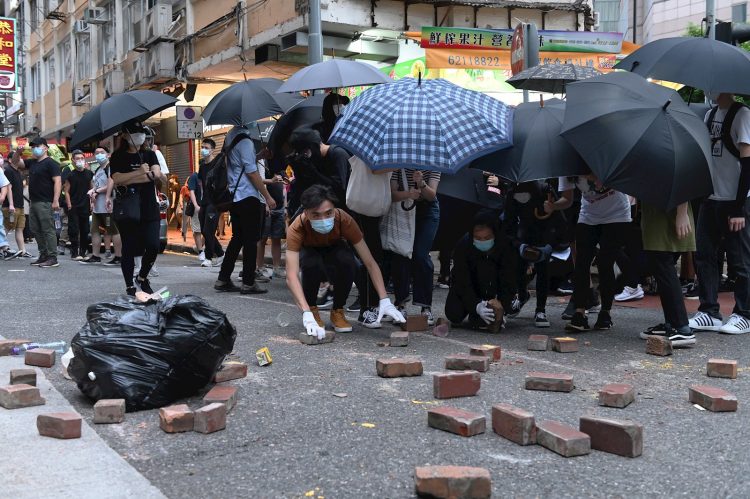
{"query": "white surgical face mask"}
pixel 80 164
pixel 137 139
pixel 522 197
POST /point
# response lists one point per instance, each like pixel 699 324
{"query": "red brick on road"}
pixel 222 394
pixel 210 418
pixel 721 368
pixel 550 382
pixel 458 421
pixel 399 339
pixel 712 398
pixel 494 352
pixel 40 357
pixel 563 439
pixel 415 323
pixel 23 377
pixel 109 411
pixel 230 371
pixel 464 362
pixel 457 384
pixel 656 345
pixel 398 368
pixel 624 438
pixel 538 343
pixel 453 482
pixel 7 345
pixel 565 345
pixel 62 425
pixel 313 340
pixel 618 395
pixel 19 396
pixel 176 418
pixel 517 425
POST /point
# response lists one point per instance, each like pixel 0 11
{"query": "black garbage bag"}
pixel 150 354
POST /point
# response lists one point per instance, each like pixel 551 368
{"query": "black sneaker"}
pixel 38 261
pixel 116 261
pixel 579 322
pixel 678 338
pixel 443 282
pixel 48 263
pixel 565 288
pixel 131 290
pixel 603 321
pixel 569 311
pixel 355 306
pixel 144 284
pixel 73 254
pixel 690 291
pixel 226 287
pixel 517 305
pixel 252 290
pixel 326 302
pixel 10 255
pixel 658 330
pixel 91 259
pixel 541 320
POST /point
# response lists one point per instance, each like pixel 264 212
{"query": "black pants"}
pixel 78 229
pixel 711 229
pixel 662 264
pixel 209 219
pixel 247 227
pixel 455 310
pixel 370 226
pixel 140 238
pixel 610 239
pixel 334 264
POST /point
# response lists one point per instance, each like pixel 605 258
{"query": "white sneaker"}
pixel 736 324
pixel 218 261
pixel 202 256
pixel 630 294
pixel 701 321
pixel 206 263
pixel 279 272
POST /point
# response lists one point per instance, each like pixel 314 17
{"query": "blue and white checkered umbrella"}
pixel 427 125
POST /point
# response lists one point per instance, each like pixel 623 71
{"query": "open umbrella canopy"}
pixel 248 101
pixel 305 113
pixel 639 138
pixel 428 125
pixel 551 78
pixel 336 73
pixel 106 118
pixel 697 62
pixel 538 151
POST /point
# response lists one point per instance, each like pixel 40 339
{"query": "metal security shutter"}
pixel 219 139
pixel 178 160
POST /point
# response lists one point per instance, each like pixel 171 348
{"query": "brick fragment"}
pixel 464 362
pixel 493 352
pixel 414 323
pixel 313 340
pixel 454 482
pixel 563 439
pixel 550 382
pixel 399 339
pixel 538 342
pixel 109 411
pixel 721 368
pixel 564 345
pixel 7 345
pixel 712 398
pixel 176 418
pixel 63 425
pixel 517 425
pixel 619 395
pixel 23 377
pixel 210 418
pixel 458 421
pixel 656 345
pixel 222 394
pixel 398 368
pixel 624 438
pixel 497 307
pixel 229 371
pixel 19 396
pixel 40 357
pixel 456 384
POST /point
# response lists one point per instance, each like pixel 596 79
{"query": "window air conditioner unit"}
pixel 81 92
pixel 156 23
pixel 114 82
pixel 138 75
pixel 80 27
pixel 95 15
pixel 160 61
pixel 139 36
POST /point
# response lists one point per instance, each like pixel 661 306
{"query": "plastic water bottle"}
pixel 283 319
pixel 12 217
pixel 58 220
pixel 58 346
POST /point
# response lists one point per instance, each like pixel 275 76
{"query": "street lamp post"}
pixel 315 35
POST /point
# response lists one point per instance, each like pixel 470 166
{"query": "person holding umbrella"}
pixel 136 175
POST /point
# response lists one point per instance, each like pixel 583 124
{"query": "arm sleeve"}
pixel 349 229
pixel 246 151
pixel 565 184
pixel 741 134
pixel 295 235
pixel 193 182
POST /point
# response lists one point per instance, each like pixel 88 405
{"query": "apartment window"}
pixel 83 57
pixel 35 87
pixel 66 61
pixel 51 5
pixel 49 72
pixel 34 9
pixel 739 13
pixel 107 52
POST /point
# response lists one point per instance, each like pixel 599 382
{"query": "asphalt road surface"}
pixel 289 436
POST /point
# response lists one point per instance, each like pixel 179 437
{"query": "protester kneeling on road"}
pixel 484 268
pixel 318 244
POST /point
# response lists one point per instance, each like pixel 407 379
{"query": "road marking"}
pixel 269 301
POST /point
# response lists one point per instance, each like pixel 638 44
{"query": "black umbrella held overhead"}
pixel 538 151
pixel 471 186
pixel 551 78
pixel 336 73
pixel 712 66
pixel 639 138
pixel 248 101
pixel 106 118
pixel 304 113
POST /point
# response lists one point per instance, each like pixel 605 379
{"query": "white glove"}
pixel 386 307
pixel 485 313
pixel 312 327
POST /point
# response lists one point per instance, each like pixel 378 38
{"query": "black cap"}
pixel 133 128
pixel 304 137
pixel 77 151
pixel 38 141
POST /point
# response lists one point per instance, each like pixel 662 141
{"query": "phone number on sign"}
pixel 460 60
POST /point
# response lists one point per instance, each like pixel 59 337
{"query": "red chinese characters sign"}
pixel 8 53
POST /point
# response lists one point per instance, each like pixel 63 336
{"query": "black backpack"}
pixel 217 189
pixel 726 127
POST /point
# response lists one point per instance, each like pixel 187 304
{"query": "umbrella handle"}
pixel 403 206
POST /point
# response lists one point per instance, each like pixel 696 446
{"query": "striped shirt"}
pixel 426 175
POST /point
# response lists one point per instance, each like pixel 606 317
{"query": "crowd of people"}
pixel 550 232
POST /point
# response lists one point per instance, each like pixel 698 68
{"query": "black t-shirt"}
pixel 125 162
pixel 276 190
pixel 16 187
pixel 203 170
pixel 42 179
pixel 80 183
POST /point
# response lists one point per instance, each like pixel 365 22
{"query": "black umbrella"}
pixel 306 112
pixel 336 73
pixel 471 186
pixel 248 101
pixel 639 138
pixel 697 62
pixel 551 78
pixel 538 151
pixel 106 118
